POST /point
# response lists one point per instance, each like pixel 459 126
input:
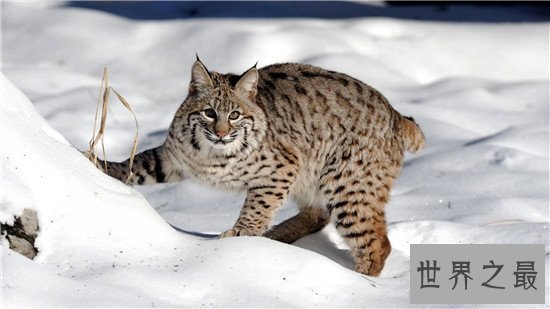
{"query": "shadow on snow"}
pixel 434 11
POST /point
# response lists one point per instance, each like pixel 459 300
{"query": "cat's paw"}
pixel 240 231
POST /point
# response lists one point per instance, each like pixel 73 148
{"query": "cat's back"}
pixel 301 99
pixel 303 78
pixel 314 86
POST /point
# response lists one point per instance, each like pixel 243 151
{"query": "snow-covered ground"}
pixel 479 91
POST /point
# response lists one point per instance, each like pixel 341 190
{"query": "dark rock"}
pixel 22 233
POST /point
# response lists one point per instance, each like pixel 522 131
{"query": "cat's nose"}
pixel 221 134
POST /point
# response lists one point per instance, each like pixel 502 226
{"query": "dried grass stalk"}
pixel 96 137
pixel 135 143
pixel 103 101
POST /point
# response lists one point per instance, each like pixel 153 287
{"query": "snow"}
pixel 478 90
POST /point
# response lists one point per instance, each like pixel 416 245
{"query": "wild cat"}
pixel 329 141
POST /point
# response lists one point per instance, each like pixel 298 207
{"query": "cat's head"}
pixel 220 115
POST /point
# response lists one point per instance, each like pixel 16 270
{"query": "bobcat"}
pixel 331 142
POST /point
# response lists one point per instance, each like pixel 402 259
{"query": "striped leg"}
pixel 259 207
pixel 356 197
pixel 363 227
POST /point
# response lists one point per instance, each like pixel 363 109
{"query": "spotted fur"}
pixel 329 141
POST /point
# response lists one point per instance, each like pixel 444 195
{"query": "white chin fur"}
pixel 227 149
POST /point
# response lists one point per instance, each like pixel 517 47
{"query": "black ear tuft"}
pixel 205 68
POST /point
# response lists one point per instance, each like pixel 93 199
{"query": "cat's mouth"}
pixel 221 141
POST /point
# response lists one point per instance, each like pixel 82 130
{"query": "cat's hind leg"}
pixel 363 227
pixel 308 221
pixel 356 195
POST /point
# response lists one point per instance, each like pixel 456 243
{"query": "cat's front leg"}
pixel 259 207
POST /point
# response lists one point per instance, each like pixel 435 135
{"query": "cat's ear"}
pixel 247 84
pixel 200 77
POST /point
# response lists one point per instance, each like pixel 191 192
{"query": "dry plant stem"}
pixel 134 144
pixel 90 153
pixel 103 100
pixel 106 93
pixel 96 138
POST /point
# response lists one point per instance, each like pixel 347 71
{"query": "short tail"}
pixel 412 135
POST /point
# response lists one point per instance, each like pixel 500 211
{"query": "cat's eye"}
pixel 234 115
pixel 210 113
